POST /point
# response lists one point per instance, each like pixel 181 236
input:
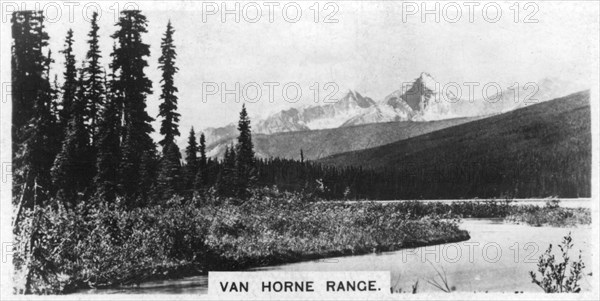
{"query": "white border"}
pixel 6 209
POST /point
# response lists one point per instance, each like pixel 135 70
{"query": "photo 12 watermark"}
pixel 453 12
pixel 269 11
pixel 68 11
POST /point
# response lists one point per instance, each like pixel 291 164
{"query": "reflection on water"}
pixel 497 258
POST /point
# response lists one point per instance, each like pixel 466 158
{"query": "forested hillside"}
pixel 538 151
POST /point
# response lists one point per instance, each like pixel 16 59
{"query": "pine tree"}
pixel 201 180
pixel 69 87
pixel 226 182
pixel 72 166
pixel 202 150
pixel 108 143
pixel 33 125
pixel 51 93
pixel 133 86
pixel 245 163
pixel 94 84
pixel 168 108
pixel 170 166
pixel 191 160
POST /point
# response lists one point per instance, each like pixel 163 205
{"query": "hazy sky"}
pixel 371 49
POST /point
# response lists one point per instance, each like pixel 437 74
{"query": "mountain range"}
pixel 419 106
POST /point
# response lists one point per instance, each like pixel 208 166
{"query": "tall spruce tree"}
pixel 191 160
pixel 202 149
pixel 226 180
pixel 132 86
pixel 168 177
pixel 56 131
pixel 94 84
pixel 108 143
pixel 114 91
pixel 168 108
pixel 245 162
pixel 201 180
pixel 33 124
pixel 69 87
pixel 72 167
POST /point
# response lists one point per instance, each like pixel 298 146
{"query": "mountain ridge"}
pixel 419 101
pixel 317 144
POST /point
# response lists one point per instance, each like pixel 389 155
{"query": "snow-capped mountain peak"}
pixel 418 100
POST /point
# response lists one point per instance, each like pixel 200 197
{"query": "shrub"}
pixel 554 278
pixel 104 245
pixel 550 216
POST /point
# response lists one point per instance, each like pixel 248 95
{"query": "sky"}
pixel 373 48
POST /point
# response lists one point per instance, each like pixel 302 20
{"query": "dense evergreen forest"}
pixel 87 137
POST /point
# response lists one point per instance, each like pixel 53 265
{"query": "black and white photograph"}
pixel 299 150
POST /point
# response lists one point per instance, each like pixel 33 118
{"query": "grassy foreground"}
pixel 104 245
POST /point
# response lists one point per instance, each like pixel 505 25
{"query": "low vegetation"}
pixel 554 217
pixel 549 215
pixel 554 276
pixel 103 246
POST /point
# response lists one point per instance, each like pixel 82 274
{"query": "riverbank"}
pixel 273 231
pixel 473 271
pixel 184 238
pixel 105 246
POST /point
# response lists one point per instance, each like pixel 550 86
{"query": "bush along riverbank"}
pixel 103 245
pixel 554 217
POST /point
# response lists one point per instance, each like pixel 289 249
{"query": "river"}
pixel 497 258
